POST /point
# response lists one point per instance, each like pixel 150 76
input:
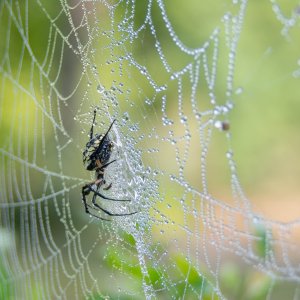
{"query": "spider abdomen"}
pixel 97 152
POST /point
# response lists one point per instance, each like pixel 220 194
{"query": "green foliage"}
pixel 185 278
pixel 6 287
pixel 262 245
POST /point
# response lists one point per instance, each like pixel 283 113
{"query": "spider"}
pixel 96 157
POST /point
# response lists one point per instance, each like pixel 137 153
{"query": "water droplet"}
pixel 167 121
pixel 198 116
pixel 229 104
pixel 125 116
pixel 174 76
pixel 229 154
pixel 296 74
pixel 239 91
pixel 222 125
pixel 148 101
pixel 100 88
pixel 143 71
pixel 172 177
pixel 218 110
pixel 218 124
pixel 183 119
pixel 160 89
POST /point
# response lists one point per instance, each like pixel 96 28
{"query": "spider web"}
pixel 196 234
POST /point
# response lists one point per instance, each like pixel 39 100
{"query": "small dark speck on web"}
pixel 225 126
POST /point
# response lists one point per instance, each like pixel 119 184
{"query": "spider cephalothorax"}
pixel 96 157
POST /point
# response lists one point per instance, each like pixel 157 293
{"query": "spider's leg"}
pixel 107 198
pixel 106 211
pixel 92 128
pixel 85 191
pixel 93 215
pixel 108 130
pixel 103 139
pixel 106 165
pixel 103 168
pixel 107 187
